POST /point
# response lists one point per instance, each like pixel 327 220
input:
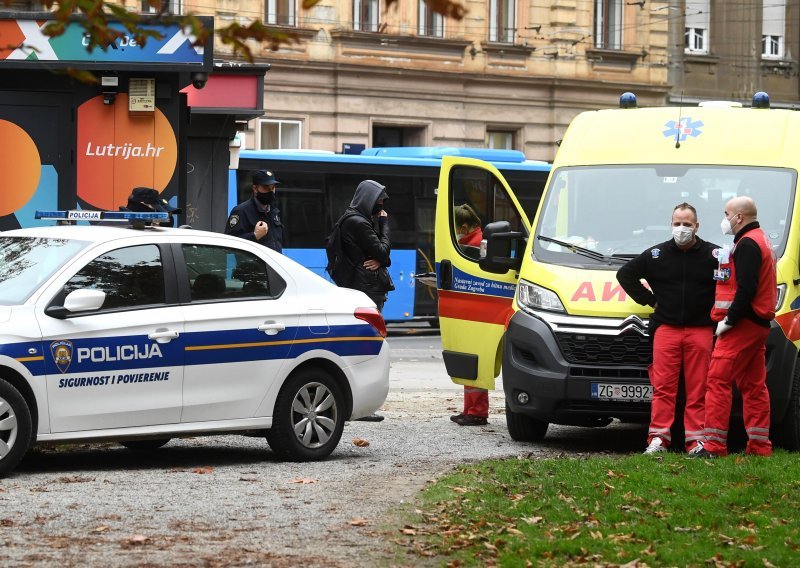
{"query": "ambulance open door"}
pixel 474 304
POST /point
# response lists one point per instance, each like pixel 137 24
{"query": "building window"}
pixel 169 6
pixel 390 136
pixel 365 15
pixel 502 21
pixel 772 46
pixel 608 24
pixel 696 41
pixel 773 29
pixel 500 139
pixel 279 134
pixel 430 23
pixel 697 21
pixel 281 12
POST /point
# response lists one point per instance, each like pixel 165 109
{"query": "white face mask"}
pixel 682 235
pixel 726 227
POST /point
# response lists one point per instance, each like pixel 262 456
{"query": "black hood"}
pixel 367 194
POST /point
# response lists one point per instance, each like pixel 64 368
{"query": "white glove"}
pixel 722 327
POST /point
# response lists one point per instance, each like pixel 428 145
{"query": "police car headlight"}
pixel 781 296
pixel 533 297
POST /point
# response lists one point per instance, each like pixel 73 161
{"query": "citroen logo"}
pixel 633 323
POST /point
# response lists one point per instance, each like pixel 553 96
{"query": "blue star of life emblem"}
pixel 680 130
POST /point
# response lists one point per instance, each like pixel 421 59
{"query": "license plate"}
pixel 622 392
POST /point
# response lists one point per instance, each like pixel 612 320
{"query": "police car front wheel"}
pixel 15 426
pixel 309 416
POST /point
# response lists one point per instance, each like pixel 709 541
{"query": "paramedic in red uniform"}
pixel 744 307
pixel 680 274
pixel 476 400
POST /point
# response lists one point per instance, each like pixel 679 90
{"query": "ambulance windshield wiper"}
pixel 598 256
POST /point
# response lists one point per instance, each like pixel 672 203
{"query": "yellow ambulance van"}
pixel 541 298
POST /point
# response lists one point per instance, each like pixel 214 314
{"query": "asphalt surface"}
pixel 227 501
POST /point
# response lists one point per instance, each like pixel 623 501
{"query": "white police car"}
pixel 144 335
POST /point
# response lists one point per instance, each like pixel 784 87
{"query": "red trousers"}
pixel 738 359
pixel 673 346
pixel 476 401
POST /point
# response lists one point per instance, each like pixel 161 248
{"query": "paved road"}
pixel 226 501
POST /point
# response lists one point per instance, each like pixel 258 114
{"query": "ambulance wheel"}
pixel 16 427
pixel 309 416
pixel 788 431
pixel 145 445
pixel 523 428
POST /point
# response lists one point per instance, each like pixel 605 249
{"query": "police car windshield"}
pixel 623 210
pixel 27 262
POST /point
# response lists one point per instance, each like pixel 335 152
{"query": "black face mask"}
pixel 267 198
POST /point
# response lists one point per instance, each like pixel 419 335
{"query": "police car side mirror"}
pixel 501 248
pixel 85 300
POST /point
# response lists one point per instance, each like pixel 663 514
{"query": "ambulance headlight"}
pixel 780 297
pixel 533 297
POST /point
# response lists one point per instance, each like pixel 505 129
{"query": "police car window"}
pixel 221 273
pixel 130 277
pixel 26 262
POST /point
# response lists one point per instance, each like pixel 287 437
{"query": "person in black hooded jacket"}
pixel 364 230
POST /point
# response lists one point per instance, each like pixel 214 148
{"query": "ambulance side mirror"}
pixel 501 248
pixel 77 301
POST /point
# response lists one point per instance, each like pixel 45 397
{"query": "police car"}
pixel 140 336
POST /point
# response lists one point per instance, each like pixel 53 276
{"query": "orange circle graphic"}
pixel 118 151
pixel 20 167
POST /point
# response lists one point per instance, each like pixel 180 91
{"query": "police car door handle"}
pixel 163 335
pixel 271 327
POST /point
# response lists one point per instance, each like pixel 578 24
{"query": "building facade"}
pixel 509 74
pixel 733 48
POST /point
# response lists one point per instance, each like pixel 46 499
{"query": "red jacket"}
pixel 764 294
pixel 472 239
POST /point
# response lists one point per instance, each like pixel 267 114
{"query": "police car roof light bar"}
pixel 136 219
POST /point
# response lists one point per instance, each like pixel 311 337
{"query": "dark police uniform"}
pixel 243 218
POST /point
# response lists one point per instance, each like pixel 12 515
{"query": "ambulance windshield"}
pixel 619 211
pixel 27 262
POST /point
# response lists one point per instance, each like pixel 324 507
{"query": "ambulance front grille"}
pixel 587 349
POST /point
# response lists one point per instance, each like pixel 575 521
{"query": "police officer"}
pixel 148 200
pixel 258 219
pixel 680 275
pixel 744 306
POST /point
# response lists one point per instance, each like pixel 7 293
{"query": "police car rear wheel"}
pixel 523 428
pixel 145 445
pixel 15 427
pixel 309 417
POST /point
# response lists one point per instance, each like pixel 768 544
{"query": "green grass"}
pixel 643 510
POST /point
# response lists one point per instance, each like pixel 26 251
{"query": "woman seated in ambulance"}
pixel 468 230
